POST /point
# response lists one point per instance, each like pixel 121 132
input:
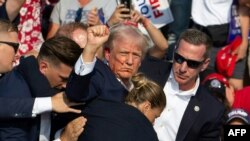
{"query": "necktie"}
pixel 78 15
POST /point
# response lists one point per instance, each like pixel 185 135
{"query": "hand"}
pixel 241 51
pixel 93 17
pixel 136 16
pixel 97 36
pixel 73 129
pixel 119 15
pixel 61 104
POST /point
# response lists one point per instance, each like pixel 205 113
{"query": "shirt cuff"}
pixel 42 105
pixel 58 134
pixel 83 68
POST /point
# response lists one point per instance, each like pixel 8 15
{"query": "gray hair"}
pixel 123 32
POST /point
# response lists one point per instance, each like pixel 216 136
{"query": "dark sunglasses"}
pixel 14 45
pixel 190 63
pixel 78 15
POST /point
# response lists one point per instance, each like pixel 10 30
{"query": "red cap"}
pixel 225 61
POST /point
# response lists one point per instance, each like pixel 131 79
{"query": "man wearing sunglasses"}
pixel 8 46
pixel 191 112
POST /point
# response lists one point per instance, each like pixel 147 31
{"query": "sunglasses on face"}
pixel 190 63
pixel 12 44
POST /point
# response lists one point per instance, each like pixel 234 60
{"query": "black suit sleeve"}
pixel 16 107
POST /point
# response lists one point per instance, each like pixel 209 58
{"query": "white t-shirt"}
pixel 211 12
pixel 65 11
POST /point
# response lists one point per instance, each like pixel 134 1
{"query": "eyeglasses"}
pixel 78 15
pixel 12 44
pixel 190 63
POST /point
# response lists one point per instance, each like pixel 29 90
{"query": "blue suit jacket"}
pixel 115 121
pixel 101 83
pixel 203 125
pixel 17 84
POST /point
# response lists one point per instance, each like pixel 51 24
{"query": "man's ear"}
pixel 43 66
pixel 107 53
pixel 205 64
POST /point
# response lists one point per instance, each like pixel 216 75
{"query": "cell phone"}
pixel 127 4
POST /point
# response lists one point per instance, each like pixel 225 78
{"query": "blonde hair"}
pixel 146 90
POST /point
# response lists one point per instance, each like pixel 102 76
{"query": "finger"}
pixel 94 10
pixel 80 120
pixel 106 30
pixel 78 132
pixel 120 6
pixel 71 110
pixel 91 22
pixel 125 10
pixel 75 103
pixel 125 16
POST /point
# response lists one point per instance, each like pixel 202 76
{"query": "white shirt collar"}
pixel 175 86
pixel 130 87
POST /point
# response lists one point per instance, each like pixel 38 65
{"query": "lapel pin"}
pixel 196 108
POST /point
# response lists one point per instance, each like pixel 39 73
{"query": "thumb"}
pixel 94 10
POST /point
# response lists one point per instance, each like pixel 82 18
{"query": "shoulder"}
pixel 210 102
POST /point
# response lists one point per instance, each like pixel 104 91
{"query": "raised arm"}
pixel 81 87
pixel 160 42
pixel 97 35
pixel 241 51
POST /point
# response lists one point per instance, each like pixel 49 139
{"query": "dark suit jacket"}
pixel 115 121
pixel 202 125
pixel 101 82
pixel 22 107
pixel 16 107
pixel 18 84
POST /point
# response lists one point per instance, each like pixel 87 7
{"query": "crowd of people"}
pixel 83 70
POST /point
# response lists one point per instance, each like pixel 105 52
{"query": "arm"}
pixel 82 75
pixel 54 21
pixel 16 108
pixel 160 42
pixel 53 27
pixel 13 7
pixel 244 21
pixel 31 107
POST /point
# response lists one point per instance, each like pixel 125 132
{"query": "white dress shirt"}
pixel 167 125
pixel 43 106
